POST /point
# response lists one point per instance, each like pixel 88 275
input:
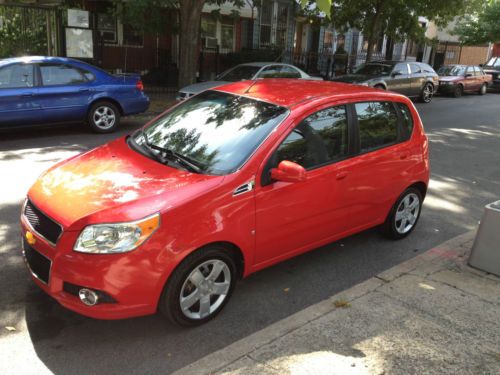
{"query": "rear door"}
pixel 379 173
pixel 417 79
pixel 18 95
pixel 64 92
pixel 400 79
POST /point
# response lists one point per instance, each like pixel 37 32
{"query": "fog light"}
pixel 88 297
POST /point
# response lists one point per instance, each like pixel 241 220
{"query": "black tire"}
pixel 103 117
pixel 381 87
pixel 170 300
pixel 458 91
pixel 483 90
pixel 427 93
pixel 390 228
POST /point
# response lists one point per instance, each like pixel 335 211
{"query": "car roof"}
pixel 289 92
pixel 32 59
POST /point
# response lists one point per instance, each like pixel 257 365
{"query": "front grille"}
pixel 41 223
pixel 38 264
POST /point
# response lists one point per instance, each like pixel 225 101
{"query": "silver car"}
pixel 247 71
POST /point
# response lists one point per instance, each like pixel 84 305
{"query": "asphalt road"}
pixel 465 161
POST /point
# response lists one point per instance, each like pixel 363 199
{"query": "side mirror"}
pixel 288 171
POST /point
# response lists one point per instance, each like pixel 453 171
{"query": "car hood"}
pixel 450 78
pixel 354 78
pixel 113 183
pixel 202 86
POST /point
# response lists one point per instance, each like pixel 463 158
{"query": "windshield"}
pixel 494 62
pixel 452 70
pixel 217 131
pixel 239 73
pixel 374 69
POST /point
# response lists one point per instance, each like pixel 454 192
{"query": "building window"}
pixel 132 37
pixel 265 23
pixel 106 24
pixel 208 27
pixel 227 36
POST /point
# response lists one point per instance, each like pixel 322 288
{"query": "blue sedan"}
pixel 50 90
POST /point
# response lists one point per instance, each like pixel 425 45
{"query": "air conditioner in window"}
pixel 210 42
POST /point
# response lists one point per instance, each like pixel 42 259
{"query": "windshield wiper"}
pixel 180 159
pixel 150 149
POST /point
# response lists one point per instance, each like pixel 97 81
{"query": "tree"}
pixel 397 19
pixel 147 15
pixel 482 26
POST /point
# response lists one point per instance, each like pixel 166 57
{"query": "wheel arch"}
pixel 420 186
pixel 115 102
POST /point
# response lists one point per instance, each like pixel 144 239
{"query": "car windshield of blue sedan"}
pixel 374 69
pixel 216 131
pixel 453 70
pixel 239 73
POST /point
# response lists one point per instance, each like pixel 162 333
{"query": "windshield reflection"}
pixel 218 131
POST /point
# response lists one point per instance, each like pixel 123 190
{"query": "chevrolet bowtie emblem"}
pixel 30 238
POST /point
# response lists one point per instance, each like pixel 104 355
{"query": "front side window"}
pixel 216 131
pixel 319 139
pixel 239 73
pixel 401 69
pixel 56 74
pixel 452 70
pixel 16 76
pixel 378 124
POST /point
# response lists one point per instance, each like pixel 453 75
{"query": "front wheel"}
pixel 427 93
pixel 199 288
pixel 458 91
pixel 483 89
pixel 103 117
pixel 404 215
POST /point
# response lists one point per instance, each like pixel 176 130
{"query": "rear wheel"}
pixel 199 288
pixel 458 91
pixel 483 89
pixel 427 93
pixel 103 117
pixel 404 215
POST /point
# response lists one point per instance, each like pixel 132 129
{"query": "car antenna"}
pixel 251 85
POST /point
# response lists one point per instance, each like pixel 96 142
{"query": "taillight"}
pixel 139 85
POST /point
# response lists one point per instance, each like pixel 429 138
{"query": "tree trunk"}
pixel 190 15
pixel 374 30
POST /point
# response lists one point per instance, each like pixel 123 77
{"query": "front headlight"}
pixel 116 237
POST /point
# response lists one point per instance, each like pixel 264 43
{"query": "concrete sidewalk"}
pixel 430 315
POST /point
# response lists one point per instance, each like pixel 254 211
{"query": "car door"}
pixel 291 217
pixel 400 79
pixel 18 95
pixel 379 172
pixel 470 81
pixel 417 79
pixel 64 92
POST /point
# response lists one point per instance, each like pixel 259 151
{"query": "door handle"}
pixel 341 175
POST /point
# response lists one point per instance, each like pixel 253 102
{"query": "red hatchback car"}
pixel 218 187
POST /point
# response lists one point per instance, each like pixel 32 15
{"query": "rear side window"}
pixel 377 123
pixel 407 121
pixel 319 139
pixel 16 76
pixel 56 74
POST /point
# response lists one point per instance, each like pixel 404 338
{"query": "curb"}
pixel 449 252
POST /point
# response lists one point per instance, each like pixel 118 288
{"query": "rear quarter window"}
pixel 406 122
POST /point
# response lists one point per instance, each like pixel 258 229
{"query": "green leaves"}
pixel 482 26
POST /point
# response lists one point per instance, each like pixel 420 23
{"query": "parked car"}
pixel 493 67
pixel 243 72
pixel 51 90
pixel 222 185
pixel 457 79
pixel 413 79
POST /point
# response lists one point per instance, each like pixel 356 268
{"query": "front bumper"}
pixel 131 279
pixel 446 88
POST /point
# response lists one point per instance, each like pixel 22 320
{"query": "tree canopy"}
pixel 482 26
pixel 398 19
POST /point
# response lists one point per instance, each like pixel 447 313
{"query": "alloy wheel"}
pixel 407 213
pixel 205 289
pixel 427 93
pixel 104 117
